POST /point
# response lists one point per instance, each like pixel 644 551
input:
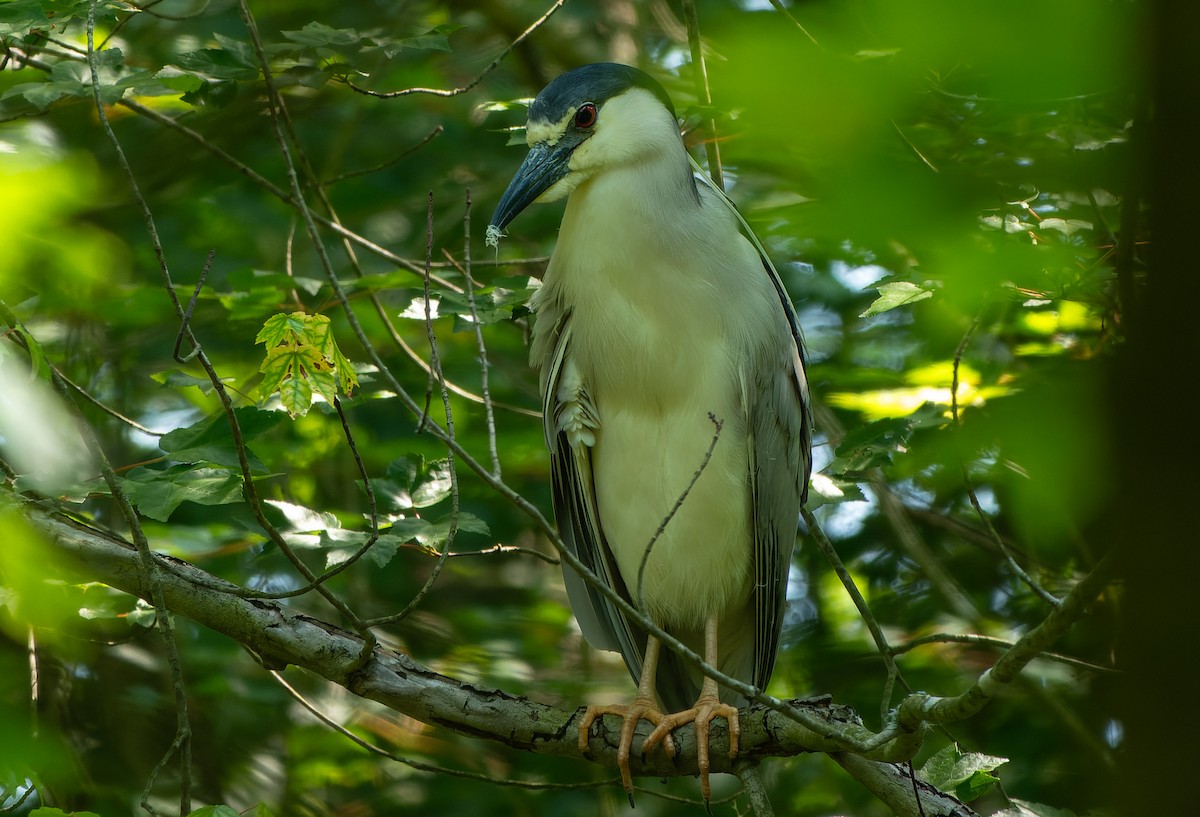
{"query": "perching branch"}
pixel 281 637
pixel 278 636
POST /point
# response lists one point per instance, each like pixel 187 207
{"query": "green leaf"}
pixel 870 446
pixel 492 305
pixel 318 34
pixel 218 94
pixel 436 39
pixel 1024 808
pixel 825 490
pixel 215 811
pixel 179 379
pixel 896 293
pixel 967 776
pixel 248 278
pixel 158 493
pixel 218 64
pixel 20 17
pixel 211 439
pixel 975 786
pixel 411 482
pixel 46 811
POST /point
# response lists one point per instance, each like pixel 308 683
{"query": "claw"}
pixel 706 709
pixel 640 709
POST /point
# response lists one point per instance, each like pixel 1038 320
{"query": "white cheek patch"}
pixel 547 133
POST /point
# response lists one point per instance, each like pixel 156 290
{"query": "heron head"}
pixel 586 121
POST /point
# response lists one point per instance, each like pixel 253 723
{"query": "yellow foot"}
pixel 640 709
pixel 702 713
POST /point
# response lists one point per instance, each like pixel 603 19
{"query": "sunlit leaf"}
pixel 896 294
pixel 302 359
pixel 826 490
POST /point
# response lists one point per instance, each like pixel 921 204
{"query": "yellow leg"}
pixel 707 707
pixel 642 708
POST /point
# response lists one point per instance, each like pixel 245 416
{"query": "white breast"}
pixel 661 347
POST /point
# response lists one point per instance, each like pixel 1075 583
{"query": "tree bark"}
pixel 280 636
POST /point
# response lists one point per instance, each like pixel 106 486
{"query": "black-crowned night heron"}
pixel 657 316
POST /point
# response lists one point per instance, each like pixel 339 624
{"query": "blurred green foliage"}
pixel 942 184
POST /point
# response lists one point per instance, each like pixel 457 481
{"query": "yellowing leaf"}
pixel 302 358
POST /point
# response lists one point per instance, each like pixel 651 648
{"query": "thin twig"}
pixel 662 526
pixel 428 767
pixel 469 285
pixel 107 409
pixel 914 148
pixel 864 612
pixel 274 102
pixel 1041 592
pixel 1130 214
pixel 505 549
pixel 187 313
pixel 703 93
pixel 999 643
pixel 372 505
pixel 434 368
pixel 780 7
pixel 479 78
pixel 435 364
pixel 181 743
pixel 350 174
pixel 928 709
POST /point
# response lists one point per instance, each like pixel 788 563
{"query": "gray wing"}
pixel 568 418
pixel 779 442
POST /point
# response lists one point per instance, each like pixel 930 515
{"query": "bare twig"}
pixel 187 314
pixel 469 285
pixel 181 744
pixel 505 549
pixel 914 148
pixel 479 78
pixel 864 612
pixel 435 365
pixel 107 409
pixel 350 174
pixel 662 526
pixel 928 709
pixel 998 643
pixel 781 8
pixel 703 93
pixel 428 767
pixel 1041 592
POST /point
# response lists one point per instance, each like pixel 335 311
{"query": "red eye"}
pixel 585 117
